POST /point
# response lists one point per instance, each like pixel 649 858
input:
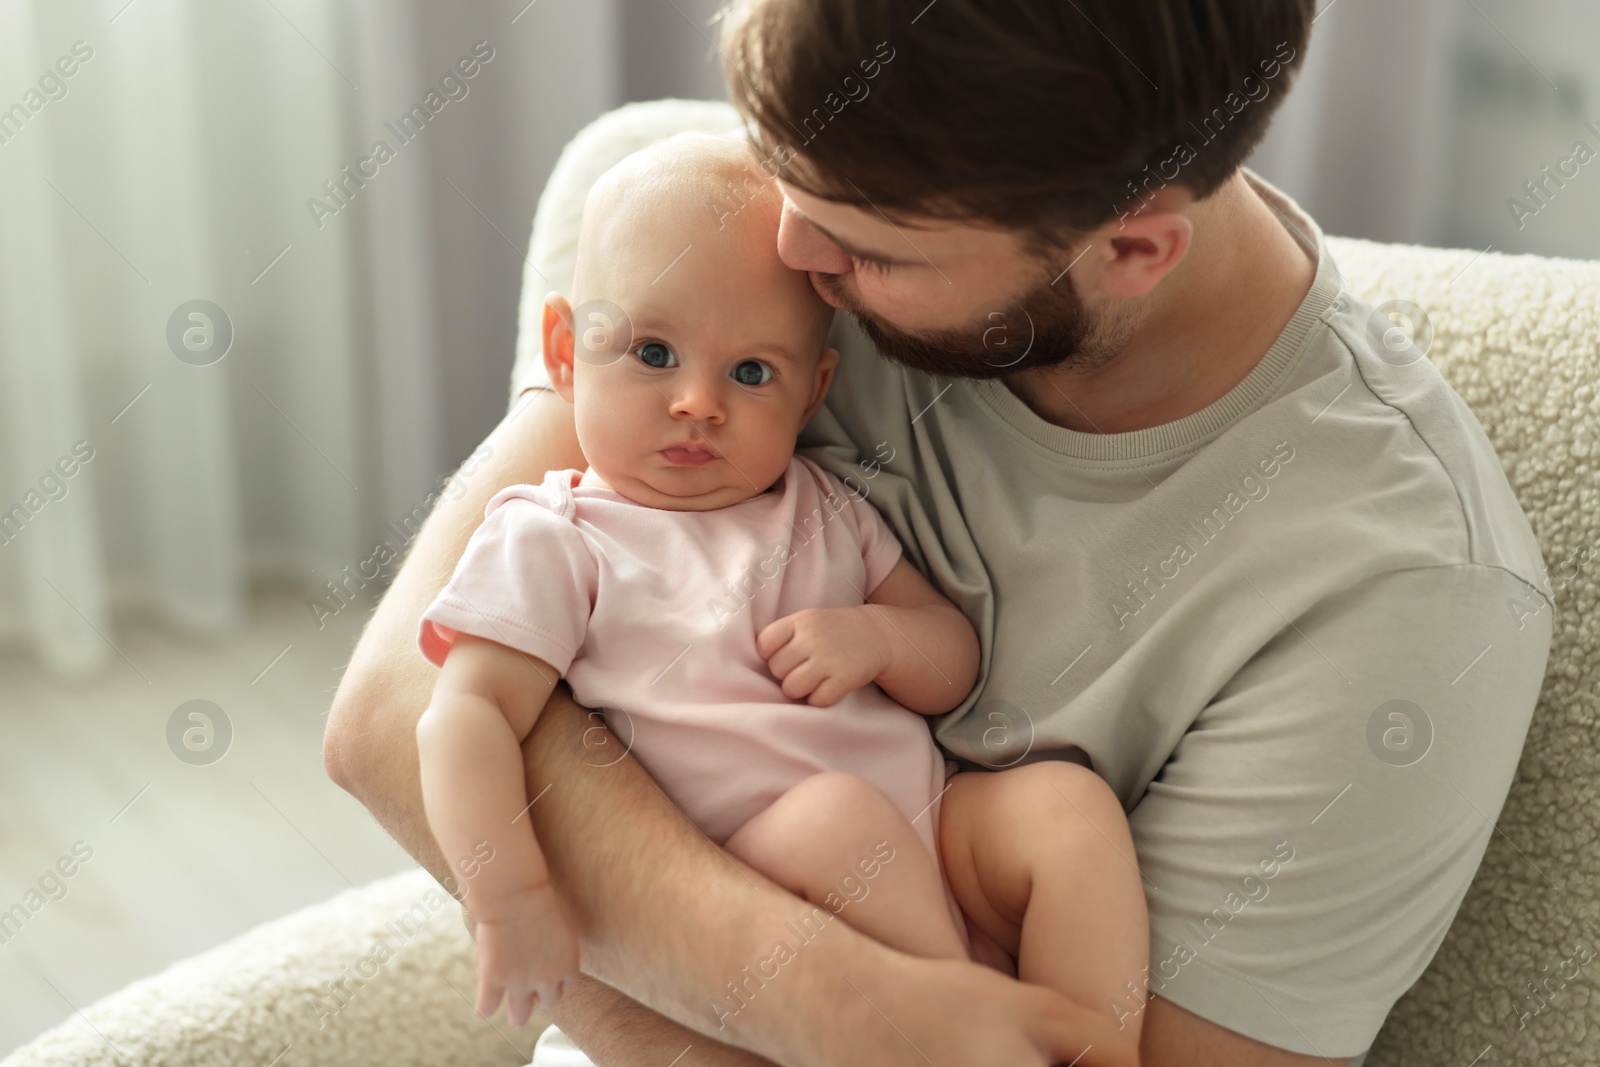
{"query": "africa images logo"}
pixel 453 86
pixel 1542 189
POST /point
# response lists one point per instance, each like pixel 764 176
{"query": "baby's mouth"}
pixel 688 455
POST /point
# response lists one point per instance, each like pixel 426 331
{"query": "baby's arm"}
pixel 484 704
pixel 908 638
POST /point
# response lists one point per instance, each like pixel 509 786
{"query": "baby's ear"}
pixel 558 343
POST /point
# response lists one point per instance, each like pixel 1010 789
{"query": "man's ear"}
pixel 558 343
pixel 827 363
pixel 1141 248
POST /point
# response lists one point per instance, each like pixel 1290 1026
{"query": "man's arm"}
pixel 676 923
pixel 369 746
pixel 1337 794
pixel 614 1030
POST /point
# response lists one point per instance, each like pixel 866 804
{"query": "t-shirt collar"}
pixel 1227 409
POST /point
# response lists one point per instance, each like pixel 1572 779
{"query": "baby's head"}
pixel 691 354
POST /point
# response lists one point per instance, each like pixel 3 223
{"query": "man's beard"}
pixel 1047 327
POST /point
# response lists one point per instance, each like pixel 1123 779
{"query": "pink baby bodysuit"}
pixel 652 616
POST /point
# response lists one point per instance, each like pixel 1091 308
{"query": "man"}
pixel 1227 540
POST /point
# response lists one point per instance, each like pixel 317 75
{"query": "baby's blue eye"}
pixel 655 354
pixel 752 372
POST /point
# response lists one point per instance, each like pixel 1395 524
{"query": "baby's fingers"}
pixel 827 693
pixel 775 636
pixel 519 1008
pixel 787 659
pixel 549 994
pixel 490 993
pixel 802 680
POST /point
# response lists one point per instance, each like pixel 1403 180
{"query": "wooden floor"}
pixel 183 857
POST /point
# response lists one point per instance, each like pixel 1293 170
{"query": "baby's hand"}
pixel 823 653
pixel 525 952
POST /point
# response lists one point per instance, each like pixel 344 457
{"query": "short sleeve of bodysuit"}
pixel 526 579
pixel 880 548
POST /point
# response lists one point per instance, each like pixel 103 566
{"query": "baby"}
pixel 743 618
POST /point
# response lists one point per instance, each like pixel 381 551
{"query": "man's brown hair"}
pixel 1046 116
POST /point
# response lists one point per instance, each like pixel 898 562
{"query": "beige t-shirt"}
pixel 1300 632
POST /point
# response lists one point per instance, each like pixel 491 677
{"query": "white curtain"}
pixel 160 152
pixel 1362 140
pixel 1416 122
pixel 175 163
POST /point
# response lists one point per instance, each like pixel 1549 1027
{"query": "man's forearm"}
pixel 381 767
pixel 668 918
pixel 614 1030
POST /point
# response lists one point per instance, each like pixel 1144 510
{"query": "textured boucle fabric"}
pixel 377 975
pixel 1517 336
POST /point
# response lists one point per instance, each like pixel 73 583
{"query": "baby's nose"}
pixel 698 398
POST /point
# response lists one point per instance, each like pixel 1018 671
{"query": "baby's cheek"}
pixel 768 451
pixel 606 440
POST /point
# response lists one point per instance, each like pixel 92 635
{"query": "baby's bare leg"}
pixel 839 842
pixel 1042 860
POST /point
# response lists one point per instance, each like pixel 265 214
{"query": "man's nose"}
pixel 802 247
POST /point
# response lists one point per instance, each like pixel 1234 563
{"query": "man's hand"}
pixel 823 653
pixel 915 1011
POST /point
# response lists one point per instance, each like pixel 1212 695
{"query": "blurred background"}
pixel 254 383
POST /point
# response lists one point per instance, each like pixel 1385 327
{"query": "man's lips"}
pixel 688 455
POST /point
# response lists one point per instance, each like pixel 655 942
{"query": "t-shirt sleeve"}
pixel 1307 844
pixel 526 579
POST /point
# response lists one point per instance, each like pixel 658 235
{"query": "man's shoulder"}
pixel 1419 436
